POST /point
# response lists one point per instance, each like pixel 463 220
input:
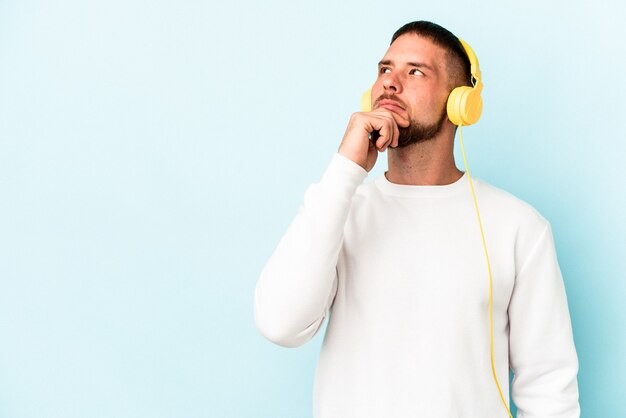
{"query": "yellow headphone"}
pixel 464 103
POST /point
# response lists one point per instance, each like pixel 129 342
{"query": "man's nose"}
pixel 392 84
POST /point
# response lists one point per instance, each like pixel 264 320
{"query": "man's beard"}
pixel 417 132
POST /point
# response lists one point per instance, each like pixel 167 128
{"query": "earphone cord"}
pixel 480 224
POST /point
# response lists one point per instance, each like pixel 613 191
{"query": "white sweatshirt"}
pixel 400 272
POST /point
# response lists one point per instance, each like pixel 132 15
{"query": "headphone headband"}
pixel 474 67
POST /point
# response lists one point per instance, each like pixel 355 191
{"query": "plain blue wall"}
pixel 152 153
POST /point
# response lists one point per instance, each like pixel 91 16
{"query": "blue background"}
pixel 152 154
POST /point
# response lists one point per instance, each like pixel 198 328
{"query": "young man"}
pixel 399 264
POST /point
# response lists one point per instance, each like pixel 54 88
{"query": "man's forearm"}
pixel 298 282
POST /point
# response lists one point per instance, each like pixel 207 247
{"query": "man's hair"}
pixel 457 62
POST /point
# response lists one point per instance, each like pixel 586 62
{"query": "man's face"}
pixel 412 83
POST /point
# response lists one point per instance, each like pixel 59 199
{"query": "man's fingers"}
pixel 396 136
pixel 360 145
pixel 387 128
pixel 395 122
pixel 400 121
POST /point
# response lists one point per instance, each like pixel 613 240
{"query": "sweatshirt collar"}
pixel 403 190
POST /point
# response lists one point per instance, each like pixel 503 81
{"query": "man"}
pixel 398 263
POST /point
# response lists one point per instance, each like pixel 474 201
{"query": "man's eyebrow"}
pixel 412 64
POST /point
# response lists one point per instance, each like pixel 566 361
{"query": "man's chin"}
pixel 417 133
pixel 412 135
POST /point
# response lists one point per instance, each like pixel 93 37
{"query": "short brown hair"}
pixel 457 65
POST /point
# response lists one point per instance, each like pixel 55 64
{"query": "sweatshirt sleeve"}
pixel 298 284
pixel 542 352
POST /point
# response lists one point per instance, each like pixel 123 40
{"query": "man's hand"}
pixel 356 144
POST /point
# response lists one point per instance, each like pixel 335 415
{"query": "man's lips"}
pixel 391 105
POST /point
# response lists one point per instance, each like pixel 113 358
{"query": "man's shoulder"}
pixel 505 204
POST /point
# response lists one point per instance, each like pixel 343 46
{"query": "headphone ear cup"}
pixel 464 106
pixel 473 107
pixel 453 105
pixel 366 101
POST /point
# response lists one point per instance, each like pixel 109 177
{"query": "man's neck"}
pixel 423 164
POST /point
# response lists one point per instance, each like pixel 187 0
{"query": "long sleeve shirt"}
pixel 401 275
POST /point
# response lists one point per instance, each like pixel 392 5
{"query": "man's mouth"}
pixel 389 104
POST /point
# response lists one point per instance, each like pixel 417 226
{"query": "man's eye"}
pixel 415 71
pixel 384 70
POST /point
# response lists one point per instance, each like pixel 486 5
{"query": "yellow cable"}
pixel 482 234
